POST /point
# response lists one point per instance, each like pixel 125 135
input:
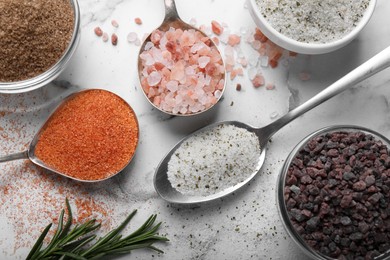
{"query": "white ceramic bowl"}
pixel 302 47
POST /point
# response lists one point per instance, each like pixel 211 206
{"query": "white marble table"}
pixel 244 225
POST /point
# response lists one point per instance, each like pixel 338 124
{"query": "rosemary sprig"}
pixel 77 243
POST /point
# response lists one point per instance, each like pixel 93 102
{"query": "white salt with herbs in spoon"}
pixel 313 21
pixel 213 160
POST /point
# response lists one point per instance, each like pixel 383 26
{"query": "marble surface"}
pixel 243 225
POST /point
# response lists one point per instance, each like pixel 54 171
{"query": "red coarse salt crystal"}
pixel 234 39
pixel 115 23
pixel 258 81
pixel 216 27
pixel 98 31
pixel 273 63
pixel 236 72
pixel 114 39
pixel 138 21
pixel 259 36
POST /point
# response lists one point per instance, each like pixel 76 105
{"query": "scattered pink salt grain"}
pixel 105 37
pixel 182 72
pixel 114 23
pixel 138 20
pixel 258 81
pixel 216 28
pixel 270 86
pixel 216 40
pixel 236 72
pixel 234 39
pixel 114 39
pixel 98 31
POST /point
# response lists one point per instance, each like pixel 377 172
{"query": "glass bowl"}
pixel 302 47
pixel 286 215
pixel 55 70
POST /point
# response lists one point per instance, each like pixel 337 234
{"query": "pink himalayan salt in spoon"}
pixel 180 68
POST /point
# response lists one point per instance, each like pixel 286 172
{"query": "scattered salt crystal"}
pixel 137 42
pixel 250 38
pixel 243 30
pixel 216 27
pixel 138 20
pixel 132 36
pixel 98 31
pixel 252 73
pixel 246 5
pixel 105 37
pixel 274 115
pixel 264 61
pixel 256 44
pixel 253 61
pixel 240 53
pixel 229 51
pixel 114 23
pixel 193 22
pixel 224 37
pixel 154 78
pixel 270 86
pixel 258 80
pixel 234 39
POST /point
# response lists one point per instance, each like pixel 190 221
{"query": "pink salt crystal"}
pixel 98 31
pixel 234 39
pixel 243 62
pixel 132 37
pixel 258 81
pixel 216 40
pixel 105 37
pixel 114 23
pixel 203 61
pixel 138 20
pixel 154 78
pixel 270 86
pixel 304 76
pixel 216 27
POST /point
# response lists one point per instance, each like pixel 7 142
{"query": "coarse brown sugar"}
pixel 92 136
pixel 34 36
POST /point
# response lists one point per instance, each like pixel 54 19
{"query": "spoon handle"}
pixel 170 10
pixel 15 156
pixel 377 63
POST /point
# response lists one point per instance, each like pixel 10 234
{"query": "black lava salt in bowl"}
pixel 334 194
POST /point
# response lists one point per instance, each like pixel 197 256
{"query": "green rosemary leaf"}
pixel 68 243
pixel 38 244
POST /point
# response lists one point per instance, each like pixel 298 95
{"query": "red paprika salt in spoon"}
pixel 91 136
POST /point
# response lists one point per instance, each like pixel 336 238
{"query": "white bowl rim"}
pixel 302 47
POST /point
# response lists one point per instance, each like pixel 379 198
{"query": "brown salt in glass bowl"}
pixel 281 184
pixel 53 72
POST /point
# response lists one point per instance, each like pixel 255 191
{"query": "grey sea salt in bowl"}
pixel 311 27
pixel 34 79
pixel 333 194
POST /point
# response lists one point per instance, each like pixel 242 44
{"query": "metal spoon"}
pixel 30 152
pixel 367 69
pixel 172 19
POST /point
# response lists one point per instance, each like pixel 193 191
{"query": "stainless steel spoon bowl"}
pixel 367 69
pixel 172 19
pixel 30 152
